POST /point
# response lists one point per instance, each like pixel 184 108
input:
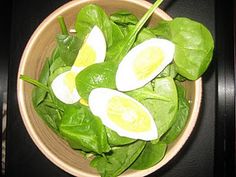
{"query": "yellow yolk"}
pixel 83 102
pixel 69 80
pixel 128 115
pixel 147 61
pixel 86 56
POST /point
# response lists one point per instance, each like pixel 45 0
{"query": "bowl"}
pixel 40 46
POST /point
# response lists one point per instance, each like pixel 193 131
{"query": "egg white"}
pixel 61 90
pixel 98 104
pixel 97 41
pixel 126 79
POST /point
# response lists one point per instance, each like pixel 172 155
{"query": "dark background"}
pixel 210 150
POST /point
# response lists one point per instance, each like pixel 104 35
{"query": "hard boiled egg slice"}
pixel 92 51
pixel 143 63
pixel 122 114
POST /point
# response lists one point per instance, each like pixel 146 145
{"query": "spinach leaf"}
pixel 150 156
pixel 88 17
pixel 124 17
pixel 51 116
pixel 112 51
pixel 180 78
pixel 162 102
pixel 40 98
pixel 181 117
pixel 58 63
pixel 164 113
pixel 57 72
pixel 145 93
pixel 55 61
pixel 117 33
pixel 95 76
pixel 143 35
pixel 68 48
pixel 194 45
pixel 118 160
pixel 39 94
pixel 170 71
pixel 116 140
pixel 54 56
pixel 83 130
pixel 131 37
pixel 125 30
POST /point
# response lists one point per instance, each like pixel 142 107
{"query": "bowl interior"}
pixel 40 47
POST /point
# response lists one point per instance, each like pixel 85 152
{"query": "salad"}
pixel 113 89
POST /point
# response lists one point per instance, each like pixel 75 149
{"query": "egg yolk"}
pixel 69 81
pixel 86 56
pixel 147 61
pixel 83 102
pixel 128 115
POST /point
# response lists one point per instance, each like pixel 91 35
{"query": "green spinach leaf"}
pixel 146 92
pixel 150 156
pixel 180 78
pixel 68 48
pixel 194 45
pixel 165 111
pixel 116 140
pixel 143 35
pixel 117 33
pixel 88 17
pixel 50 115
pixel 123 18
pixel 181 117
pixel 170 71
pixel 39 94
pixel 118 160
pixel 41 98
pixel 57 72
pixel 162 102
pixel 58 63
pixel 83 130
pixel 54 56
pixel 95 76
pixel 131 37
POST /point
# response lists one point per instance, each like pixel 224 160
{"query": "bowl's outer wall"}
pixel 40 47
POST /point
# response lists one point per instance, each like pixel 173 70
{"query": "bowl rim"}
pixel 49 153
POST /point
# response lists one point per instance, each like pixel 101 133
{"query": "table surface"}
pixel 196 158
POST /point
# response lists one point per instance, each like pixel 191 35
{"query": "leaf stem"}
pixel 62 25
pixel 34 82
pixel 132 36
pixel 146 16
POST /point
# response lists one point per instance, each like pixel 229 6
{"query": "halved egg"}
pixel 92 51
pixel 143 63
pixel 123 114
